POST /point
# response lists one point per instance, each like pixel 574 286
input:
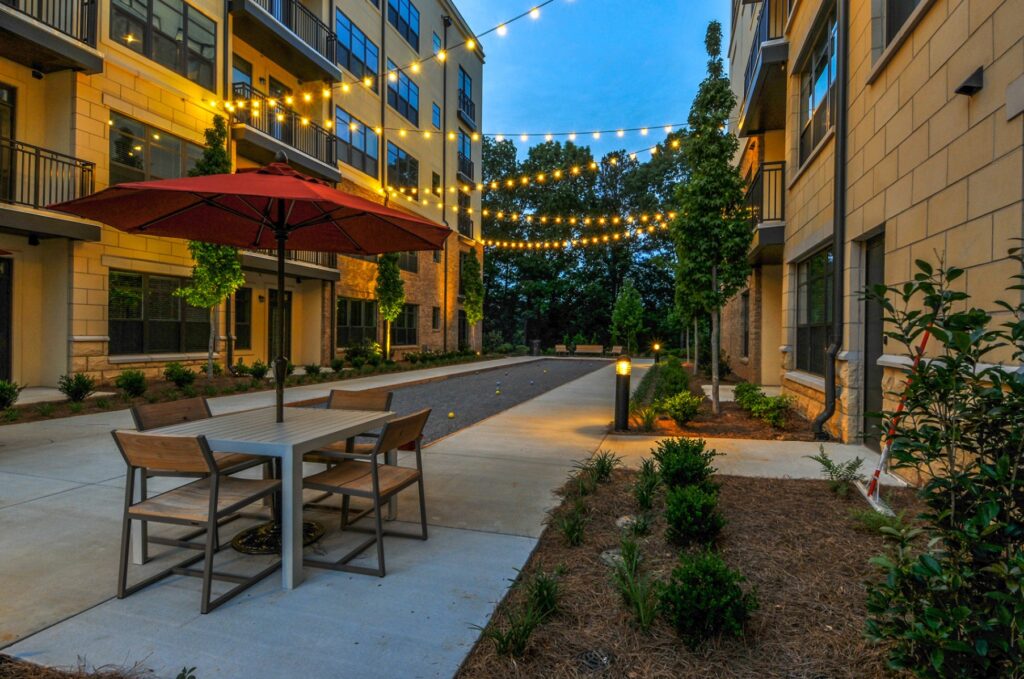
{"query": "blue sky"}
pixel 588 64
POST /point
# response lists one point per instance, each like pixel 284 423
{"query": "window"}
pixel 896 14
pixel 437 43
pixel 437 256
pixel 139 152
pixel 147 317
pixel 241 70
pixel 356 52
pixel 435 318
pixel 435 184
pixel 357 143
pixel 436 115
pixel 403 94
pixel 403 169
pixel 745 321
pixel 171 33
pixel 817 90
pixel 243 318
pixel 465 216
pixel 814 311
pixel 466 105
pixel 404 16
pixel 403 330
pixel 357 321
pixel 408 261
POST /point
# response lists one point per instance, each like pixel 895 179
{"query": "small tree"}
pixel 472 290
pixel 712 234
pixel 627 316
pixel 390 294
pixel 216 271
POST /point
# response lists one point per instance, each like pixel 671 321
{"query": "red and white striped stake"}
pixel 883 460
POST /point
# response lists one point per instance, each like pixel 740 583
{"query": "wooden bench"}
pixel 561 349
pixel 616 350
pixel 590 349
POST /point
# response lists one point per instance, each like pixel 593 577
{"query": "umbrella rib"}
pixel 326 218
pixel 315 220
pixel 146 225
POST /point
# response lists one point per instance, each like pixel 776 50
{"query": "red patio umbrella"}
pixel 272 206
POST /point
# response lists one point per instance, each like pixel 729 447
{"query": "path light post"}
pixel 657 353
pixel 623 369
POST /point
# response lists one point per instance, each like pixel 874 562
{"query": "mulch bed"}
pixel 11 668
pixel 794 540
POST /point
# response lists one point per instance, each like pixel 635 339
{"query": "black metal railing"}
pixel 466 167
pixel 771 25
pixel 467 106
pixel 74 18
pixel 766 195
pixel 271 116
pixel 37 177
pixel 294 16
pixel 327 259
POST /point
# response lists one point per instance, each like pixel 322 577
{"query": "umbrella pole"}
pixel 280 363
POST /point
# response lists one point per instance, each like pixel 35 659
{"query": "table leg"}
pixel 140 539
pixel 291 521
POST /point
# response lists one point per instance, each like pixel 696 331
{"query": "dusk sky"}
pixel 587 64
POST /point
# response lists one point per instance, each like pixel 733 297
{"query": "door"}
pixel 7 152
pixel 874 342
pixel 280 121
pixel 272 352
pixel 6 313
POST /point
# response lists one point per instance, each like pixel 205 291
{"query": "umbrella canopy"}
pixel 270 207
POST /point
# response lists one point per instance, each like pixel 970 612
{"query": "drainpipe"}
pixel 229 343
pixel 838 219
pixel 447 21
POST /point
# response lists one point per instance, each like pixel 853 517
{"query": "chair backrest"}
pixel 403 432
pixel 561 348
pixel 341 399
pixel 153 415
pixel 186 454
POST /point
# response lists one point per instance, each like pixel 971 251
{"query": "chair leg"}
pixel 423 508
pixel 378 519
pixel 126 534
pixel 211 550
pixel 143 525
pixel 344 511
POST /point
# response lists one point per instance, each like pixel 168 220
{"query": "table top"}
pixel 256 431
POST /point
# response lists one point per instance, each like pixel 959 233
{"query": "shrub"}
pixel 672 379
pixel 188 391
pixel 704 598
pixel 9 392
pixel 646 484
pixel 75 407
pixel 648 417
pixel 603 464
pixel 772 410
pixel 259 370
pixel 289 368
pixel 682 407
pixel 240 369
pixel 521 350
pixel 747 394
pixel 132 383
pixel 683 462
pixel 179 375
pixel 210 391
pixel 512 638
pixel 12 414
pixel 313 369
pixel 77 387
pixel 841 475
pixel 691 513
pixel 873 522
pixel 542 594
pixel 45 409
pixel 337 365
pixel 505 348
pixel 639 592
pixel 102 404
pixel 571 522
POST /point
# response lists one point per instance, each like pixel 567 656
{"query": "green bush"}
pixel 772 410
pixel 704 598
pixel 240 369
pixel 646 484
pixel 77 387
pixel 682 407
pixel 9 392
pixel 132 383
pixel 337 365
pixel 313 369
pixel 684 462
pixel 691 513
pixel 747 394
pixel 542 593
pixel 639 592
pixel 571 523
pixel 512 638
pixel 179 375
pixel 363 352
pixel 671 379
pixel 259 370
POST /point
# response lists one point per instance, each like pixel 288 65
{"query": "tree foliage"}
pixel 472 288
pixel 390 294
pixel 627 316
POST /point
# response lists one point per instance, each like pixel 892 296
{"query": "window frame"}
pixel 347 56
pixel 402 15
pixel 405 329
pixel 188 153
pixel 147 44
pixel 817 109
pixel 403 94
pixel 814 336
pixel 358 148
pixel 403 169
pixel 435 115
pixel 435 318
pixel 409 261
pixel 355 334
pixel 243 300
pixel 146 329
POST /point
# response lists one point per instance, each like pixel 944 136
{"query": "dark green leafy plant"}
pixel 682 407
pixel 571 523
pixel 45 409
pixel 9 392
pixel 11 415
pixel 258 370
pixel 313 369
pixel 603 464
pixel 691 513
pixel 841 475
pixel 683 461
pixel 954 607
pixel 772 410
pixel 337 365
pixel 639 592
pixel 747 394
pixel 186 673
pixel 512 638
pixel 179 375
pixel 704 598
pixel 132 383
pixel 542 593
pixel 77 387
pixel 873 522
pixel 671 379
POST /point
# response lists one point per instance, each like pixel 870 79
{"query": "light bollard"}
pixel 623 369
pixel 657 353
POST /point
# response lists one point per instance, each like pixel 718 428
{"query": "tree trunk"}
pixel 212 343
pixel 715 350
pixel 387 340
pixel 696 345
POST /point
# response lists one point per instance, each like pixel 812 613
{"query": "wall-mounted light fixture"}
pixel 973 84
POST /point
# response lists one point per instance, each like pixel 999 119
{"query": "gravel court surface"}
pixel 475 396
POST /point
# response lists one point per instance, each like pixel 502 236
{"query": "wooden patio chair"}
pixel 201 503
pixel 341 399
pixel 155 415
pixel 363 476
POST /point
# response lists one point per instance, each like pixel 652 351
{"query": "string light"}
pixel 571 135
pixel 584 241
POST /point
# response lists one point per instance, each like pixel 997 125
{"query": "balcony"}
pixel 766 204
pixel 289 34
pixel 49 35
pixel 466 225
pixel 298 263
pixel 467 109
pixel 31 178
pixel 262 126
pixel 466 169
pixel 764 81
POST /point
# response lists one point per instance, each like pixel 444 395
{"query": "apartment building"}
pixel 872 134
pixel 97 92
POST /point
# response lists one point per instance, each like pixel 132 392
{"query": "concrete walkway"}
pixel 490 487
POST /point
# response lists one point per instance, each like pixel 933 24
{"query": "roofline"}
pixel 462 24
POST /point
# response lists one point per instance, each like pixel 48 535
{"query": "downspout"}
pixel 838 219
pixel 447 21
pixel 229 341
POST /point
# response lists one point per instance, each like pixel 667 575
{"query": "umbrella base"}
pixel 265 538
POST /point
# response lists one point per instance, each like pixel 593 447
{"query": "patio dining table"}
pixel 303 430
